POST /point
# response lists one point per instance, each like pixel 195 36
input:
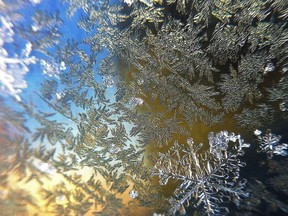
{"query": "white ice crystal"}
pixel 60 198
pixel 257 132
pixel 129 2
pixel 6 31
pixel 282 107
pixel 34 2
pixel 133 194
pixel 13 68
pixel 59 95
pixel 284 69
pixel 140 81
pixel 108 81
pixel 62 66
pixel 43 166
pixel 136 101
pixel 269 68
pixel 147 2
pixel 270 143
pixel 113 149
pixel 52 68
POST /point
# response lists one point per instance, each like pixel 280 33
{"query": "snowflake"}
pixel 270 143
pixel 133 194
pixel 207 178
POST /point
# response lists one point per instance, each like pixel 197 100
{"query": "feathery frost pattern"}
pixel 172 65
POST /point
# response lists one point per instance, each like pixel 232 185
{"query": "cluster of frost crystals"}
pixel 108 81
pixel 43 166
pixel 52 68
pixel 270 143
pixel 113 149
pixel 13 68
pixel 129 2
pixel 219 143
pixel 6 31
pixel 147 2
pixel 136 101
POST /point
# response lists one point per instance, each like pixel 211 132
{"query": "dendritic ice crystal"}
pixel 270 143
pixel 210 179
pixel 13 68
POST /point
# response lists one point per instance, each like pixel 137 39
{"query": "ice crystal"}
pixel 283 106
pixel 113 149
pixel 284 69
pixel 269 68
pixel 219 142
pixel 108 81
pixel 13 68
pixel 59 95
pixel 136 101
pixel 133 194
pixel 52 68
pixel 43 166
pixel 257 132
pixel 270 143
pixel 129 2
pixel 209 178
pixel 147 2
pixel 62 66
pixel 35 2
pixel 60 198
pixel 140 81
pixel 6 31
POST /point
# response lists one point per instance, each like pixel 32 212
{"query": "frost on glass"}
pixel 172 66
pixel 209 179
